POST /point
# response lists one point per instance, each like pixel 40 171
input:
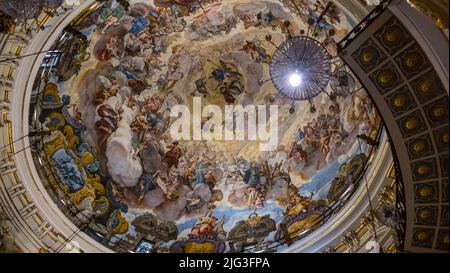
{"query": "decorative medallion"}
pixel 424 169
pixel 423 237
pixel 401 101
pixel 426 192
pixel 412 61
pixel 437 112
pixel 393 36
pixel 369 56
pixel 420 147
pixel 427 87
pixel 386 78
pixel 426 216
pixel 442 241
pixel 441 138
pixel 412 124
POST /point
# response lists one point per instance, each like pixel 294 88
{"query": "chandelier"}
pixel 49 5
pixel 302 68
pixel 24 10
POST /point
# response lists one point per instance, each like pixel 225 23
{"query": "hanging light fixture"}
pixel 22 10
pixel 301 67
pixel 51 5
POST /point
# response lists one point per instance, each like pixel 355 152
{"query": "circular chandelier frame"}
pixel 304 58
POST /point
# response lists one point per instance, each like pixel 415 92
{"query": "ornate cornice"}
pixel 436 10
pixel 373 222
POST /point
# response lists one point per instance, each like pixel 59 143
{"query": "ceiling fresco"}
pixel 105 110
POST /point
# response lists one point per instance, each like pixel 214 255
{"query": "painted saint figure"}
pixel 252 175
pixel 173 155
pixel 71 175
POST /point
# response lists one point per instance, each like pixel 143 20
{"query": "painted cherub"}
pixel 204 226
pixel 111 21
pixel 140 126
pixel 153 104
pixel 259 202
pixel 113 46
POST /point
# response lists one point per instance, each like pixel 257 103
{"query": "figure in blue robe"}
pixel 323 24
pixel 149 183
pixel 300 135
pixel 252 176
pixel 158 49
pixel 70 174
pixel 200 179
pixel 175 10
pixel 268 17
pixel 219 74
pixel 129 74
pixel 140 24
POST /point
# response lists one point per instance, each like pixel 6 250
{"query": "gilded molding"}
pixel 436 10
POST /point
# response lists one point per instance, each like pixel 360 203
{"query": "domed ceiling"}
pixel 109 153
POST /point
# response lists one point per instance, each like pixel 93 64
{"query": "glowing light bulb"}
pixel 295 80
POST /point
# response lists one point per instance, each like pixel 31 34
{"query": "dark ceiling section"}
pixel 414 104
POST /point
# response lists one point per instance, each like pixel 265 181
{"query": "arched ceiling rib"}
pixel 404 77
